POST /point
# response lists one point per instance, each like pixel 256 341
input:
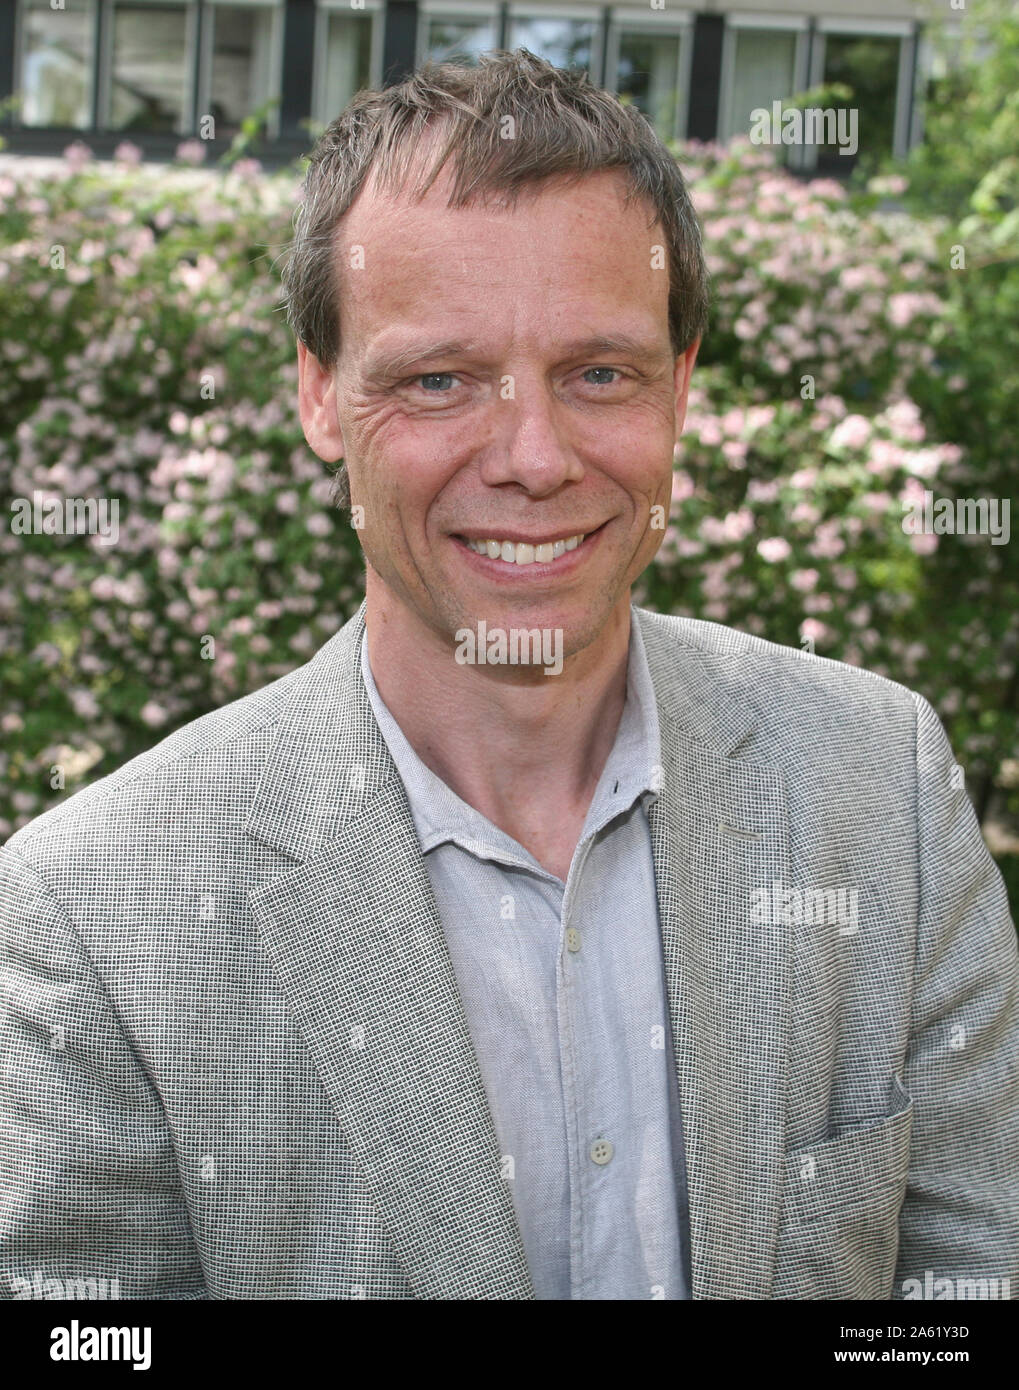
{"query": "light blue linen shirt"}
pixel 564 991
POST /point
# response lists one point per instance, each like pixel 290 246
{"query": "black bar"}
pixel 914 67
pixel 202 17
pixel 102 44
pixel 606 20
pixel 705 77
pixel 399 43
pixel 8 14
pixel 159 147
pixel 296 77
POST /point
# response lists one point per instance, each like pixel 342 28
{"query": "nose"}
pixel 530 444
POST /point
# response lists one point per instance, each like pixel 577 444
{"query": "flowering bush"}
pixel 806 287
pixel 787 522
pixel 146 360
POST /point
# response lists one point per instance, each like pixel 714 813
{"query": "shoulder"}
pixel 210 763
pixel 794 695
pixel 207 770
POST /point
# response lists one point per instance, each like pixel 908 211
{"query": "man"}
pixel 523 943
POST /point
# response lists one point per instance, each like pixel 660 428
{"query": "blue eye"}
pixel 600 369
pixel 436 376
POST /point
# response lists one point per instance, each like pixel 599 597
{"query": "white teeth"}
pixel 523 553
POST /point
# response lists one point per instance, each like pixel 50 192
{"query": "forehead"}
pixel 566 246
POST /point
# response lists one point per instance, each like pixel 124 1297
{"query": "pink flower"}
pixel 152 714
pixel 128 153
pixel 190 152
pixel 759 490
pixel 682 486
pixel 103 587
pixel 924 544
pixel 77 154
pixel 904 418
pixel 774 549
pixel 48 654
pixel 827 543
pixel 247 169
pixel 856 277
pixel 84 704
pixel 924 463
pixel 851 433
pixel 884 456
pixel 904 308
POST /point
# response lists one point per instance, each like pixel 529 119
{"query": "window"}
pixel 648 63
pixel 452 33
pixel 348 56
pixel 565 37
pixel 240 63
pixel 875 59
pixel 150 77
pixel 56 63
pixel 765 58
pixel 760 65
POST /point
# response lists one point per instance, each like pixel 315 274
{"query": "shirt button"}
pixel 572 939
pixel 601 1151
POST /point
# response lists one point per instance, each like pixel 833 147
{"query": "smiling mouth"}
pixel 525 552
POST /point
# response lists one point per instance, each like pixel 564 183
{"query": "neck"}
pixel 523 748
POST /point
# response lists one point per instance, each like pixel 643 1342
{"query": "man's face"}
pixel 473 401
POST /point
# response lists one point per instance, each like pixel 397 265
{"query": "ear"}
pixel 316 399
pixel 683 373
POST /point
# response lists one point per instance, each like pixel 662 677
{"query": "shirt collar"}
pixel 632 770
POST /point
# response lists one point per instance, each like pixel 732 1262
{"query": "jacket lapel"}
pixel 719 830
pixel 353 933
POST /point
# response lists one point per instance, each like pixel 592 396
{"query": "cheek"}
pixel 651 482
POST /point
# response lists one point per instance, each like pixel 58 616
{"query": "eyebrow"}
pixel 393 364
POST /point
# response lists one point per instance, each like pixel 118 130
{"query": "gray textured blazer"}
pixel 236 1064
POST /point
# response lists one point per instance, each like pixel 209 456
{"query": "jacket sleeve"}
pixel 89 1187
pixel 960 1217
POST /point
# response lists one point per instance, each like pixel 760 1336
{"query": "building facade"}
pixel 158 71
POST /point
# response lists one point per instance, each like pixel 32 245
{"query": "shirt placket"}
pixel 590 1121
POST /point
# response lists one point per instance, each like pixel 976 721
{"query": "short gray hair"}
pixel 562 125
